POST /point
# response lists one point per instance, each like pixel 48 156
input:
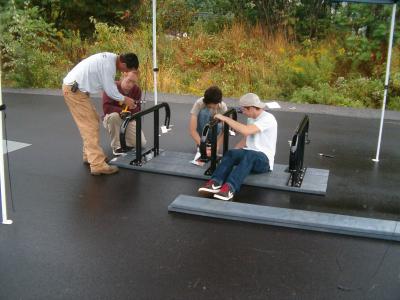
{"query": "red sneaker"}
pixel 225 193
pixel 210 188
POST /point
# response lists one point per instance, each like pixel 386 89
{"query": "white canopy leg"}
pixel 389 58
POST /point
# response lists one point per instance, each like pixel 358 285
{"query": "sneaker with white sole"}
pixel 225 193
pixel 210 188
pixel 120 151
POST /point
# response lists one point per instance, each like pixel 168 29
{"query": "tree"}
pixel 75 14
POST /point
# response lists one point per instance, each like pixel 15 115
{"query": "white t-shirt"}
pixel 199 105
pixel 96 73
pixel 265 139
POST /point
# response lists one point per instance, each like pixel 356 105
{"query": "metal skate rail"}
pixel 138 118
pixel 315 181
pixel 213 126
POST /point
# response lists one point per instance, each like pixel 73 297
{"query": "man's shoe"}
pixel 210 188
pixel 226 193
pixel 86 162
pixel 120 151
pixel 103 170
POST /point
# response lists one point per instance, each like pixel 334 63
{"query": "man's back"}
pixel 265 139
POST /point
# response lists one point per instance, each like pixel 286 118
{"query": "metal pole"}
pixel 155 68
pixel 376 159
pixel 156 132
pixel 4 217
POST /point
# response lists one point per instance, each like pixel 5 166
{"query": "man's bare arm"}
pixel 242 128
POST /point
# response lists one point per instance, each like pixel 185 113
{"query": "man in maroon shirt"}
pixel 112 112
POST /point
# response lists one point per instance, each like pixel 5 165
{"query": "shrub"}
pixel 28 45
pixel 314 67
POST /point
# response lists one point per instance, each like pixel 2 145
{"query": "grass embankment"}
pixel 238 59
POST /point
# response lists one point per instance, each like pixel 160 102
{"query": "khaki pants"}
pixel 112 123
pixel 86 118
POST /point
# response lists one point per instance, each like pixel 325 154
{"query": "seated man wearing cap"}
pixel 254 153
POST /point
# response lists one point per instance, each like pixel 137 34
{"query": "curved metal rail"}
pixel 213 140
pixel 296 154
pixel 138 118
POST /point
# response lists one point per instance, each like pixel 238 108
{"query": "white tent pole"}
pixel 4 217
pixel 389 58
pixel 155 68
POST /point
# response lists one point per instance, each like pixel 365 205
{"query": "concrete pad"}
pixel 293 218
pixel 178 164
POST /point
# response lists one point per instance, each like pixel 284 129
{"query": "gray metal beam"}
pixel 286 217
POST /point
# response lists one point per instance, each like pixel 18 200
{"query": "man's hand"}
pixel 220 117
pixel 124 114
pixel 129 102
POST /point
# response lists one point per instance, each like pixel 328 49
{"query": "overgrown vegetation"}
pixel 335 56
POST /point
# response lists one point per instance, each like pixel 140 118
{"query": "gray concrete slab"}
pixel 286 217
pixel 178 164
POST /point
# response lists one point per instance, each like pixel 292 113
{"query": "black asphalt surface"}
pixel 77 236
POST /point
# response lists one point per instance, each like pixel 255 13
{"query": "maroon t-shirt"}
pixel 110 105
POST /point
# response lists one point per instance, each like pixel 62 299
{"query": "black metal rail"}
pixel 138 118
pixel 213 140
pixel 296 155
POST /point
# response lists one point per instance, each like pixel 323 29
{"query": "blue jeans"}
pixel 203 118
pixel 246 161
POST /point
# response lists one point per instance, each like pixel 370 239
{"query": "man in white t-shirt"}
pixel 203 111
pixel 94 74
pixel 254 153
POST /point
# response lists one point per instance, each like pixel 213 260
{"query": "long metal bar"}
pixel 389 59
pixel 156 132
pixel 232 112
pixel 296 153
pixel 4 216
pixel 137 117
pixel 138 140
pixel 214 133
pixel 213 125
pixel 155 67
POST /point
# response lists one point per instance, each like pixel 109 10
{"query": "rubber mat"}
pixel 178 163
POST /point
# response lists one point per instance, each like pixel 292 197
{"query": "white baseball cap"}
pixel 251 99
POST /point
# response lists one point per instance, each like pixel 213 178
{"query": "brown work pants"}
pixel 112 122
pixel 86 118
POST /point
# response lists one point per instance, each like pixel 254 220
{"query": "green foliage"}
pixel 28 48
pixel 175 16
pixel 210 56
pixel 306 70
pixel 213 15
pixel 364 31
pixel 75 15
pixel 272 48
pixel 108 38
pixel 358 92
pixel 323 94
pixel 394 92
